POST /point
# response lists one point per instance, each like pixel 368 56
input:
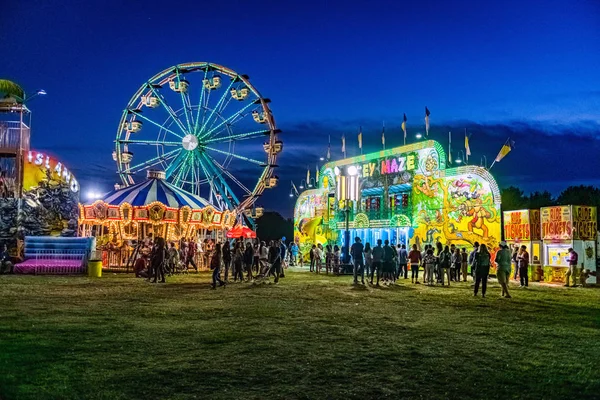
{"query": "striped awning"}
pixel 155 189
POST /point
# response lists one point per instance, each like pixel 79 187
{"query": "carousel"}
pixel 123 219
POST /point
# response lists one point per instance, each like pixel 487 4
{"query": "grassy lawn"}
pixel 308 337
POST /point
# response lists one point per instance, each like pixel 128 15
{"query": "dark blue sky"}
pixel 528 69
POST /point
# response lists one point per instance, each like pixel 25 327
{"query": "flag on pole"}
pixel 317 175
pixel 404 127
pixel 427 113
pixel 329 149
pixel 449 147
pixel 360 139
pixel 506 148
pixel 344 145
pixel 383 135
pixel 467 148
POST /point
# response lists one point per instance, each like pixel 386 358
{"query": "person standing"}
pixel 445 260
pixel 377 261
pixel 402 262
pixel 473 260
pixel 523 260
pixel 429 262
pixel 226 251
pixel 283 251
pixel 356 251
pixel 248 260
pixel 336 259
pixel 415 260
pixel 238 260
pixel 313 258
pixel 263 259
pixel 572 272
pixel 294 251
pixel 389 256
pixel 515 262
pixel 173 257
pixel 503 262
pixel 319 257
pixel 482 270
pixel 456 261
pixel 158 260
pixel 464 263
pixel 215 265
pixel 328 258
pixel 368 252
pixel 5 262
pixel 423 254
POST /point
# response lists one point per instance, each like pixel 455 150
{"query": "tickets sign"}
pixel 522 225
pixel 585 223
pixel 557 223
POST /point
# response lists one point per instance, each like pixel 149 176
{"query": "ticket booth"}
pixel 563 227
pixel 522 228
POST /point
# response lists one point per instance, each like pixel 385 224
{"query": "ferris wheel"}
pixel 207 127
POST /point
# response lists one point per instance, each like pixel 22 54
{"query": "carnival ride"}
pixel 212 147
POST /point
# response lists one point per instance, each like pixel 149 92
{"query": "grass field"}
pixel 309 337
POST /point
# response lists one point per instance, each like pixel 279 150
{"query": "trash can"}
pixel 94 268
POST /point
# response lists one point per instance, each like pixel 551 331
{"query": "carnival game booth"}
pixel 522 228
pixel 406 195
pixel 124 218
pixel 563 227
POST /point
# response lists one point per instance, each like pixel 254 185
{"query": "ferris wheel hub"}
pixel 189 142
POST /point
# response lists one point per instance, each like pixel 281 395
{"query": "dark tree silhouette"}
pixel 273 226
pixel 513 198
pixel 541 199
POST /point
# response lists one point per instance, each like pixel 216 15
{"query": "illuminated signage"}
pixel 388 166
pixel 522 225
pixel 585 223
pixel 556 223
pixel 48 168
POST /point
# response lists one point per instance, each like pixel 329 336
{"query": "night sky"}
pixel 524 69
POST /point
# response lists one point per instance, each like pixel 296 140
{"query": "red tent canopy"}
pixel 240 231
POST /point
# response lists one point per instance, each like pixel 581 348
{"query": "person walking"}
pixel 429 262
pixel 402 262
pixel 503 262
pixel 368 252
pixel 263 259
pixel 356 250
pixel 191 254
pixel 248 260
pixel 377 261
pixel 283 252
pixel 572 272
pixel 157 259
pixel 313 258
pixel 215 265
pixel 328 258
pixel 482 269
pixel 464 263
pixel 415 260
pixel 256 257
pixel 523 260
pixel 275 261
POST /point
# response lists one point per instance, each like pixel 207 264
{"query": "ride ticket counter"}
pixel 563 227
pixel 522 228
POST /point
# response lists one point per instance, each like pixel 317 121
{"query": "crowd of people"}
pixel 385 263
pixel 237 259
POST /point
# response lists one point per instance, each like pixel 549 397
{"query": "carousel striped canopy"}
pixel 155 189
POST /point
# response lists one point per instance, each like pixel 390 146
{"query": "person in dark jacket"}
pixel 226 250
pixel 482 260
pixel 158 259
pixel 248 260
pixel 274 260
pixel 215 265
pixel 356 250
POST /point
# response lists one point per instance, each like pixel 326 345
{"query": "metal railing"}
pixel 14 135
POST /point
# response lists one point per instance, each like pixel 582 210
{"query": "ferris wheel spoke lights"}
pixel 196 144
